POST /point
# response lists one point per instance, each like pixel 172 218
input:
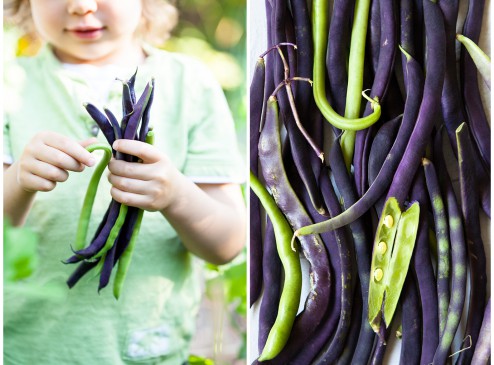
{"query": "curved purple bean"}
pixel 271 276
pixel 255 237
pixel 275 176
pixel 100 240
pixel 333 241
pixel 102 121
pixel 475 246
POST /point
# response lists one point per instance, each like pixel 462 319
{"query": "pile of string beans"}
pixel 369 199
pixel 115 237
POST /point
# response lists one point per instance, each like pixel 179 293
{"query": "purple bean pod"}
pixel 407 32
pixel 135 117
pixel 375 30
pixel 109 258
pixel 363 251
pixel 270 158
pixel 255 237
pixel 380 149
pixel 100 240
pixel 475 246
pixel 482 352
pixel 410 322
pixel 425 273
pixel 333 348
pixel 332 240
pixel 102 121
pixel 146 114
pixel 271 276
pixel 451 102
pixel 443 244
pixel 477 119
pixel 337 54
pixel 458 257
pixel 354 334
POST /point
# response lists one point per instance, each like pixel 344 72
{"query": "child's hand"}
pixel 149 185
pixel 47 159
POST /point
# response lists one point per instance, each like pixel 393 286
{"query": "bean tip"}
pixel 321 156
pixel 292 243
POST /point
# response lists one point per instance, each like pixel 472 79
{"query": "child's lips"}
pixel 86 32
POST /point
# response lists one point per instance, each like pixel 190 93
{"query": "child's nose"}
pixel 82 7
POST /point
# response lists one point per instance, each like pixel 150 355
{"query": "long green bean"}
pixel 125 259
pixel 292 286
pixel 87 206
pixel 355 76
pixel 320 35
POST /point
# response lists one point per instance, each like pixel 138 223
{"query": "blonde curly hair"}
pixel 159 17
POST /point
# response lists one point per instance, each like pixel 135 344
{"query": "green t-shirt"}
pixel 153 321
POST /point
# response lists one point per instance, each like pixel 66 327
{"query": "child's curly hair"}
pixel 159 17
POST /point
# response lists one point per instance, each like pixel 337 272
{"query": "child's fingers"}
pixel 132 170
pixel 59 159
pixel 88 142
pixel 146 152
pixel 70 147
pixel 130 199
pixel 49 172
pixel 129 185
pixel 31 182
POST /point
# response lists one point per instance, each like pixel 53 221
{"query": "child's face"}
pixel 90 31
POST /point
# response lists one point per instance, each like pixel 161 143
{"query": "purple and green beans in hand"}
pixel 115 238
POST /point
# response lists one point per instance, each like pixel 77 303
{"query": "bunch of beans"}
pixel 115 237
pixel 406 124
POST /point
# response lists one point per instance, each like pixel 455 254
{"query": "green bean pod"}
pixel 87 206
pixel 393 248
pixel 114 231
pixel 125 259
pixel 320 35
pixel 356 76
pixel 292 285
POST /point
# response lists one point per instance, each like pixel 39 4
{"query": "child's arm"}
pixel 44 162
pixel 209 218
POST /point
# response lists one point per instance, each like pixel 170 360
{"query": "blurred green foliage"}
pixel 20 257
pixel 215 32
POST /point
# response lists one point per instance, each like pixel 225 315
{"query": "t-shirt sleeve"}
pixel 213 154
